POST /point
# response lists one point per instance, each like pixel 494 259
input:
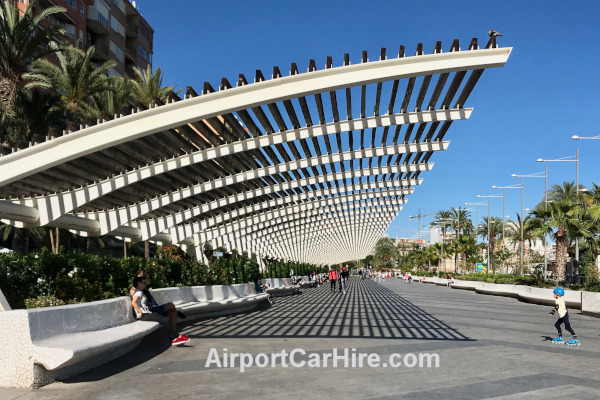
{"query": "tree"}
pixel 23 39
pixel 118 96
pixel 385 251
pixel 78 80
pixel 148 85
pixel 565 219
pixel 461 221
pixel 494 224
pixel 466 245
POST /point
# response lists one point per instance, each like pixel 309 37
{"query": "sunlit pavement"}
pixel 488 347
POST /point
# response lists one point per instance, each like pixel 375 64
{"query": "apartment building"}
pixel 115 27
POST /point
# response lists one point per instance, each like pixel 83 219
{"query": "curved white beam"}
pixel 43 156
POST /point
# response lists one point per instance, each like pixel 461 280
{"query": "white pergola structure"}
pixel 310 167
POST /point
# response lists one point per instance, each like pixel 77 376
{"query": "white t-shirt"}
pixel 562 307
pixel 142 301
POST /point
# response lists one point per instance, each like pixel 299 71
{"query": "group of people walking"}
pixel 341 277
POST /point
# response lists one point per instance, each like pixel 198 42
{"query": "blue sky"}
pixel 547 91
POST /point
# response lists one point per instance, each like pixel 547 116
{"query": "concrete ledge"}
pixel 441 281
pixel 500 289
pixel 278 287
pixel 202 301
pixel 545 296
pixel 590 303
pixel 466 285
pixel 44 344
pixel 4 306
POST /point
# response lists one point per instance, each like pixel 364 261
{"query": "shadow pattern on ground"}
pixel 367 310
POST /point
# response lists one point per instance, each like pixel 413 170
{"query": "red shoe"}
pixel 184 338
pixel 178 341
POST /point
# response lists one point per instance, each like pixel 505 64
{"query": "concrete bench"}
pixel 430 279
pixel 279 288
pixel 441 281
pixel 501 289
pixel 44 344
pixel 466 285
pixel 590 303
pixel 205 301
pixel 545 296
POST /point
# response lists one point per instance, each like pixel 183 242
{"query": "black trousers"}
pixel 564 320
pixel 332 284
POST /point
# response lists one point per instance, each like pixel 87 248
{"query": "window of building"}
pixel 143 53
pixel 117 52
pixel 82 9
pixel 72 4
pixel 117 27
pixel 144 31
pixel 71 32
pixel 80 39
pixel 114 72
pixel 120 5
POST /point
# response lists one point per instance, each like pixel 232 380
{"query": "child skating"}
pixel 563 318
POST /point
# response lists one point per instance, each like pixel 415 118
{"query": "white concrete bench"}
pixel 430 279
pixel 466 285
pixel 501 289
pixel 205 301
pixel 545 296
pixel 590 303
pixel 441 281
pixel 278 287
pixel 44 344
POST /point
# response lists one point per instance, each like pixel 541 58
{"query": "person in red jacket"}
pixel 333 276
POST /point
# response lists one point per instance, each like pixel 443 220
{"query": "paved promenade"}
pixel 488 347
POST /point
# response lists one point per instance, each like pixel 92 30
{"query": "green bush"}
pixel 42 278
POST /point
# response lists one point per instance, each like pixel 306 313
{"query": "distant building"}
pixel 406 245
pixel 435 235
pixel 115 27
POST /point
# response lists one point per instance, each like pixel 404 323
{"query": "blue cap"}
pixel 559 291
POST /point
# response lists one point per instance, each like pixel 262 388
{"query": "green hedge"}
pixel 500 278
pixel 70 277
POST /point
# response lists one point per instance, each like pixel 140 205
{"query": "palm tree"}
pixel 461 220
pixel 77 79
pixel 495 231
pixel 148 85
pixel 118 96
pixel 441 218
pixel 557 217
pixel 37 114
pixel 531 232
pixel 466 246
pixel 23 39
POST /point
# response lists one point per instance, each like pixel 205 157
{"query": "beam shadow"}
pixel 367 310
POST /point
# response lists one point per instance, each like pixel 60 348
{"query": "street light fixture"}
pixel 575 137
pixel 574 159
pixel 443 222
pixel 545 176
pixel 488 223
pixel 503 217
pixel 476 220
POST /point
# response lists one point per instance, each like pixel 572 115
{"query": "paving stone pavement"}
pixel 489 348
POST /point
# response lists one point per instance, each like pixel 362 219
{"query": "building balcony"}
pixel 131 53
pixel 132 30
pixel 97 22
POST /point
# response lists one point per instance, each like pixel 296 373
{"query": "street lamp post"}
pixel 444 222
pixel 574 159
pixel 476 221
pixel 488 226
pixel 545 176
pixel 515 187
